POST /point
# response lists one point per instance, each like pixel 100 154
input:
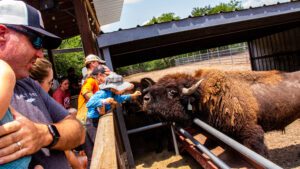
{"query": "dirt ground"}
pixel 284 148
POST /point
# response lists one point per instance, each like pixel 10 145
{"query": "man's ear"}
pixel 3 30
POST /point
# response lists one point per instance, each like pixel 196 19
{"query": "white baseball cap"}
pixel 19 13
pixel 91 57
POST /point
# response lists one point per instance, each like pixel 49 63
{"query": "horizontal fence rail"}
pixel 260 160
pixel 203 149
pixel 236 55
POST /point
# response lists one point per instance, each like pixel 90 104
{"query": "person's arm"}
pixel 96 100
pixel 125 97
pixel 71 130
pixel 34 136
pixel 7 83
pixel 87 89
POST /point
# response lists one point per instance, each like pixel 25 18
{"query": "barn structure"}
pixel 272 33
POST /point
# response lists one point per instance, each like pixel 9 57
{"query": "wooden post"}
pixel 51 59
pixel 88 40
pixel 104 153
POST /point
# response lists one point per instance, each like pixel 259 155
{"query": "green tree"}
pixel 75 59
pixel 222 7
pixel 165 17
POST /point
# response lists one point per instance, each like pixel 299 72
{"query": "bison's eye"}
pixel 171 94
pixel 147 98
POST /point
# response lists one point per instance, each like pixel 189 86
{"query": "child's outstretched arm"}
pixel 7 84
pixel 136 94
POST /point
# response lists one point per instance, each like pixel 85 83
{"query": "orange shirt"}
pixel 90 85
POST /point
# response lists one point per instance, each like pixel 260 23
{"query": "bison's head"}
pixel 137 104
pixel 173 98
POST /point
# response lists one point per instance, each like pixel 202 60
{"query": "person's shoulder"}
pixel 27 81
pixel 90 80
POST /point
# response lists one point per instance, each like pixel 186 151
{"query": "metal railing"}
pixel 260 160
pixel 230 56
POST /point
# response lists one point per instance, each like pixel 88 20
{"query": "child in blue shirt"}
pixel 110 93
pixel 7 83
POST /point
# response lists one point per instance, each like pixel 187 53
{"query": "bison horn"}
pixel 192 89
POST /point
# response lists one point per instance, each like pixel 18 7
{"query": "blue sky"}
pixel 138 12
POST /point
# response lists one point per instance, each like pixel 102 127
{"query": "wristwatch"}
pixel 55 134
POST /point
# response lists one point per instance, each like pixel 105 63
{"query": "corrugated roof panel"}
pixel 108 11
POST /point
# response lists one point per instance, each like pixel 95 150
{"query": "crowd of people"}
pixel 39 129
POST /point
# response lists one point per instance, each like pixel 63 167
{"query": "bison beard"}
pixel 242 104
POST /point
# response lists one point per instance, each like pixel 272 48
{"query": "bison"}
pixel 242 104
pixel 135 117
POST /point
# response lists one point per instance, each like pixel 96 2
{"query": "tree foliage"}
pixel 75 59
pixel 222 7
pixel 165 17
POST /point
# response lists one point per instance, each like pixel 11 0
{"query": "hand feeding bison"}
pixel 242 104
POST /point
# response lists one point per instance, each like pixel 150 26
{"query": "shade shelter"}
pixel 146 43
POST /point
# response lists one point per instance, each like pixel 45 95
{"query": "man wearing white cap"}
pixel 43 125
pixel 92 61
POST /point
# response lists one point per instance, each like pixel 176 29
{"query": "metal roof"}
pixel 108 11
pixel 146 43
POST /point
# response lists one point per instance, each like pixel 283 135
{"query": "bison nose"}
pixel 146 98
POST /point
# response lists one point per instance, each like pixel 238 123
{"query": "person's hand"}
pixel 72 112
pixel 136 94
pixel 21 137
pixel 109 101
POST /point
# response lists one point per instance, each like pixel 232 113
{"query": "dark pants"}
pixel 91 129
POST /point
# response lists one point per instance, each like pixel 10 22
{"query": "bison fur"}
pixel 242 104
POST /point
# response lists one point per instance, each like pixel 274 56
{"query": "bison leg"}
pixel 252 136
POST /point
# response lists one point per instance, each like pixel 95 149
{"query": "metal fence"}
pixel 216 56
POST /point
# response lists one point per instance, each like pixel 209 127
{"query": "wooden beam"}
pixel 104 153
pixel 87 37
pixel 92 13
pixel 51 59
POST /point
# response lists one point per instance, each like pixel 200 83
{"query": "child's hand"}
pixel 109 101
pixel 136 94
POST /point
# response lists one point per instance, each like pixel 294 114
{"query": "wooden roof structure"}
pixel 68 18
pixel 146 43
pixel 60 16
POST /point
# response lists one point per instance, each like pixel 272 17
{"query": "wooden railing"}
pixel 104 153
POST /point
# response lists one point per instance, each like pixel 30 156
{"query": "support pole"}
pixel 87 37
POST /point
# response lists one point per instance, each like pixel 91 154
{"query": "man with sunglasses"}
pixel 41 126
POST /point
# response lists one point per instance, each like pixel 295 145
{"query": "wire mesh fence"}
pixel 233 55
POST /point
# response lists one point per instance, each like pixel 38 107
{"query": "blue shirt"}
pixel 21 163
pixel 96 101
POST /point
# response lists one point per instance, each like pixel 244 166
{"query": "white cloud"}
pixel 131 1
pixel 255 3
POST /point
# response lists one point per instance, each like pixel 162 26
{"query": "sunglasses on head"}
pixel 35 39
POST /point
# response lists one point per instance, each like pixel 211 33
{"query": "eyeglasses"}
pixel 35 39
